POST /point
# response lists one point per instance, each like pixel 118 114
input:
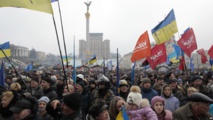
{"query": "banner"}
pixel 37 5
pixel 142 48
pixel 202 53
pixel 210 52
pixel 158 55
pixel 165 29
pixel 6 48
pixel 188 42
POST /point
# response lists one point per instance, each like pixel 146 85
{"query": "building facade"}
pixel 19 51
pixel 95 45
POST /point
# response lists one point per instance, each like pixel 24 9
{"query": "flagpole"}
pixel 104 67
pixel 118 75
pixel 74 69
pixel 62 28
pixel 59 47
pixel 16 71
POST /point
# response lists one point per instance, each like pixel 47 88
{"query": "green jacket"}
pixel 185 113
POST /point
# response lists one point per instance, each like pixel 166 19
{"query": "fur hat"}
pixel 156 99
pixel 135 96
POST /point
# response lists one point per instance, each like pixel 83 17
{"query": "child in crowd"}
pixel 138 108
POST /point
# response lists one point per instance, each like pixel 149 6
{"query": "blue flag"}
pixel 177 50
pixel 2 76
pixel 133 73
pixel 109 65
pixel 192 64
pixel 29 67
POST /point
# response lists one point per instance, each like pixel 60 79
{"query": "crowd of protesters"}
pixel 94 96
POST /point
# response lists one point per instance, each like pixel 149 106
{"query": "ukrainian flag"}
pixel 93 60
pixel 6 48
pixel 37 5
pixel 122 115
pixel 165 29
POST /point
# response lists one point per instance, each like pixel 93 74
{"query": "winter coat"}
pixel 50 93
pixel 168 116
pixel 76 116
pixel 85 95
pixel 148 93
pixel 145 110
pixel 33 117
pixel 185 113
pixel 38 93
pixel 171 103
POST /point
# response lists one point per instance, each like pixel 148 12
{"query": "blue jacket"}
pixel 148 93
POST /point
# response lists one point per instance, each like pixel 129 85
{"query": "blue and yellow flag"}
pixel 6 48
pixel 122 115
pixel 165 29
pixel 93 60
pixel 37 5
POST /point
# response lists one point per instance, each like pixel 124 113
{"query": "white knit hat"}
pixel 44 99
pixel 135 96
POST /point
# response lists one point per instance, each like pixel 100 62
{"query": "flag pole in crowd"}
pixel 74 69
pixel 16 71
pixel 2 74
pixel 62 28
pixel 104 67
pixel 59 47
pixel 118 75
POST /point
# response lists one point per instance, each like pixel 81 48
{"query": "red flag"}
pixel 210 52
pixel 158 55
pixel 142 48
pixel 188 42
pixel 202 53
pixel 182 64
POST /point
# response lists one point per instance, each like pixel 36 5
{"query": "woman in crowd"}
pixel 157 105
pixel 171 102
pixel 9 98
pixel 115 106
pixel 42 103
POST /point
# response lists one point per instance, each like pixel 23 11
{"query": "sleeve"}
pixel 177 104
pixel 150 114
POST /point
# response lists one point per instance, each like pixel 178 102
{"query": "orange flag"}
pixel 142 48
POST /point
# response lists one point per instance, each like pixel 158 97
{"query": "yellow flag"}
pixel 37 5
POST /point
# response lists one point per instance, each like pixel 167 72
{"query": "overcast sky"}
pixel 120 21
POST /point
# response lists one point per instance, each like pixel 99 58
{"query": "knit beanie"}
pixel 44 99
pixel 135 97
pixel 156 99
pixel 73 101
pixel 97 108
pixel 47 79
pixel 82 84
pixel 123 83
pixel 146 80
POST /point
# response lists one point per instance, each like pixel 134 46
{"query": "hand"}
pixel 54 103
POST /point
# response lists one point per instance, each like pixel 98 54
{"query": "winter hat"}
pixel 156 99
pixel 146 80
pixel 80 76
pixel 82 84
pixel 44 99
pixel 195 78
pixel 35 78
pixel 47 79
pixel 73 101
pixel 135 96
pixel 172 80
pixel 97 108
pixel 179 80
pixel 123 83
pixel 21 105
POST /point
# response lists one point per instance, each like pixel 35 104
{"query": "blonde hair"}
pixel 8 94
pixel 15 86
pixel 191 89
